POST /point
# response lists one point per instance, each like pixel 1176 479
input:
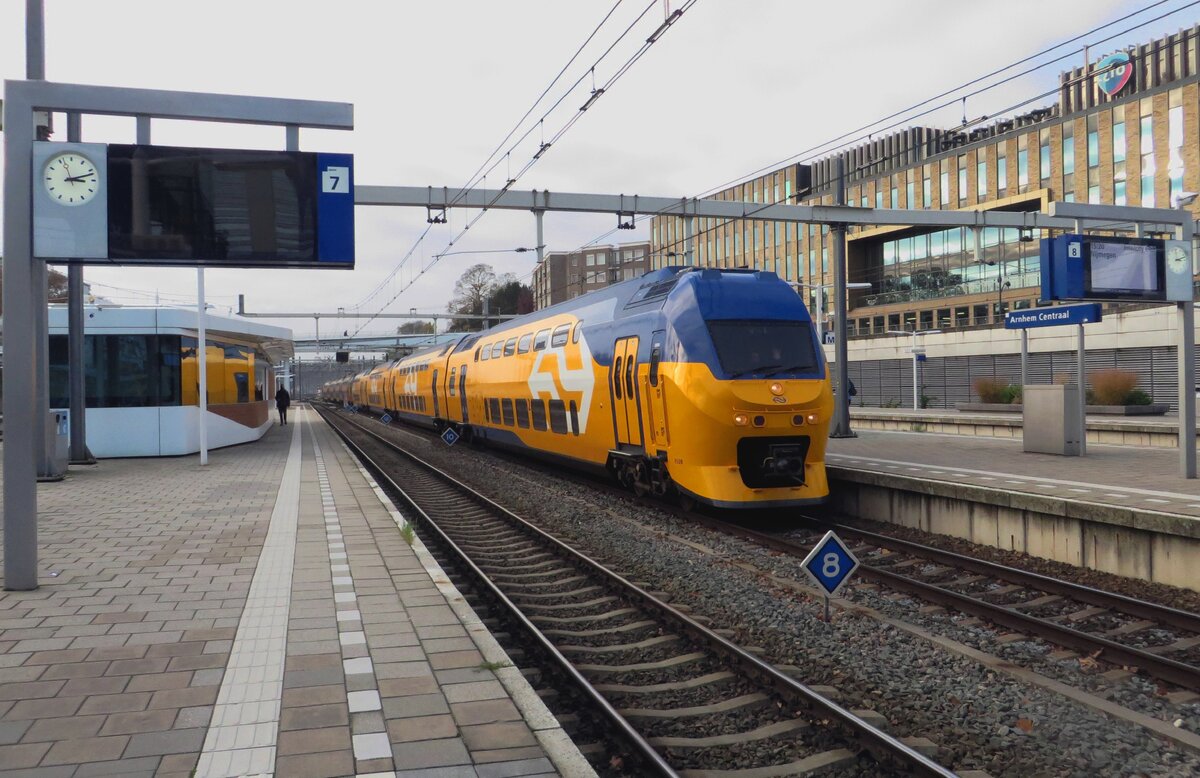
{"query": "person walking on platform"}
pixel 282 401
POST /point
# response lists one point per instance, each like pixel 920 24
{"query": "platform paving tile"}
pixel 114 667
pixel 148 556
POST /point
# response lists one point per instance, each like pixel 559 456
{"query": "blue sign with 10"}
pixel 450 437
pixel 830 564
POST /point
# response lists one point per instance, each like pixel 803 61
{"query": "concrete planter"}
pixel 1154 409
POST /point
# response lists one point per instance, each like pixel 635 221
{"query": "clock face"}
pixel 71 179
pixel 1177 258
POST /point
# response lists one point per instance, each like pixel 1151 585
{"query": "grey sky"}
pixel 734 85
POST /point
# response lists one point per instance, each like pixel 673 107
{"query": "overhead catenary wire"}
pixel 620 72
pixel 866 131
pixel 760 207
pixel 480 171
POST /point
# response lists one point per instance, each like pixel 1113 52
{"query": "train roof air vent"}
pixel 656 291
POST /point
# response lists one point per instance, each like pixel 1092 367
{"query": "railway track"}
pixel 1164 642
pixel 681 698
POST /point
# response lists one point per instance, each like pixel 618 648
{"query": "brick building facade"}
pixel 1118 134
pixel 566 274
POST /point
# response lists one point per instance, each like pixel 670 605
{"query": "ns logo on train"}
pixel 554 383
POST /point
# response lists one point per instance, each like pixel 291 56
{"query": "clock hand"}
pixel 78 178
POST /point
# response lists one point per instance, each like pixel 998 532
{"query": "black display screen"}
pixel 212 206
pixel 1124 269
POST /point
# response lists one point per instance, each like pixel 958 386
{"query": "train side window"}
pixel 523 343
pixel 617 377
pixel 486 354
pixel 494 406
pixel 558 417
pixel 497 349
pixel 477 354
pixel 559 338
pixel 522 414
pixel 510 346
pixel 487 410
pixel 506 405
pixel 575 333
pixel 537 413
pixel 540 340
pixel 574 418
pixel 629 364
pixel 655 358
pixel 453 384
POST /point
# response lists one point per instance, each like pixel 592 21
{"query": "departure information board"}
pixel 1122 270
pixel 165 205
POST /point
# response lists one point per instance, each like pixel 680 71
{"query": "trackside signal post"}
pixel 25 364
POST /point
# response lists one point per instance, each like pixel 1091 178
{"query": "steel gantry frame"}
pixel 1063 216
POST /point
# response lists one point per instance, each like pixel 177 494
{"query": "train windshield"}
pixel 747 348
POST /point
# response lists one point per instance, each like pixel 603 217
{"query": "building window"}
pixel 1093 140
pixel 895 195
pixel 1044 156
pixel 944 195
pixel 1147 130
pixel 981 177
pixel 910 198
pixel 1068 151
pixel 1175 145
pixel 878 195
pixel 1093 158
pixel 926 190
pixel 1023 164
pixel 1118 149
pixel 962 178
pixel 1001 170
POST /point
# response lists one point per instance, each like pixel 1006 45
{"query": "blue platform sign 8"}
pixel 830 564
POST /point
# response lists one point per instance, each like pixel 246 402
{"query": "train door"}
pixel 624 390
pixel 436 412
pixel 462 393
pixel 657 406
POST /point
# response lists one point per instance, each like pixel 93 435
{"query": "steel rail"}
pixel 879 743
pixel 1131 606
pixel 634 739
pixel 1185 675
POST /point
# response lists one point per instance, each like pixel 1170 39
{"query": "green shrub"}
pixel 1138 397
pixel 1011 394
pixel 990 390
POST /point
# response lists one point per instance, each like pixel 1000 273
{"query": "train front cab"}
pixel 733 400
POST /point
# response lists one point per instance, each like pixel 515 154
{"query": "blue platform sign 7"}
pixel 830 564
pixel 450 437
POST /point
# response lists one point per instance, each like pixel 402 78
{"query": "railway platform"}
pixel 1121 508
pixel 260 615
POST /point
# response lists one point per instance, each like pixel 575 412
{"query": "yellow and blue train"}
pixel 709 384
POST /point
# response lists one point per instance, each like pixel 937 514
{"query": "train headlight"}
pixel 741 419
pixel 777 389
pixel 812 418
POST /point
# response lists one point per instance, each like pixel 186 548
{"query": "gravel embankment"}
pixel 980 718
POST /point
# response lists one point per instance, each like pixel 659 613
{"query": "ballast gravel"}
pixel 979 718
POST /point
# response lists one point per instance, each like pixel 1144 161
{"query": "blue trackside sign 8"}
pixel 1089 313
pixel 335 209
pixel 830 564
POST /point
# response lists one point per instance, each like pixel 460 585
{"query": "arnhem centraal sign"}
pixel 1050 317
